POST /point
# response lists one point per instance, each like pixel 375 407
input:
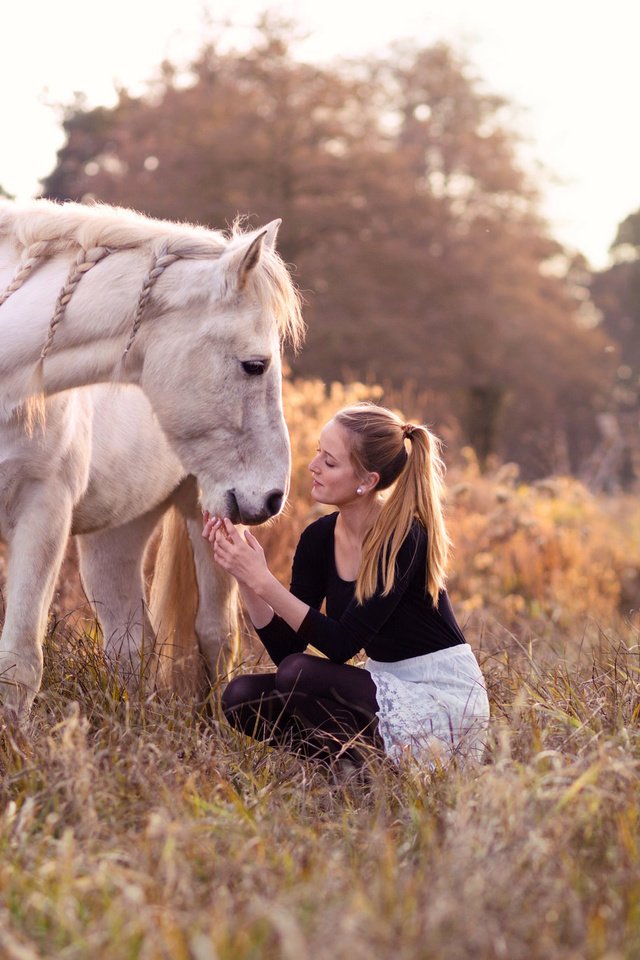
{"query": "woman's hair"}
pixel 407 458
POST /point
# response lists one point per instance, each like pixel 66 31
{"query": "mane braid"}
pixel 160 261
pixel 85 260
pixel 31 259
pixel 43 228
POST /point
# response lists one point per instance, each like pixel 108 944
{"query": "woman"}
pixel 379 563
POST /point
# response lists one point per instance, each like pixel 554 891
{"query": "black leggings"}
pixel 310 705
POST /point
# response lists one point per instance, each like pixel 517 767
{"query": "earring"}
pixel 359 490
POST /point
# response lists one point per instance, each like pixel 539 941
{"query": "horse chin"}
pixel 232 507
pixel 254 520
pixel 242 513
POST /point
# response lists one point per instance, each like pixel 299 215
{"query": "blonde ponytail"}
pixel 416 481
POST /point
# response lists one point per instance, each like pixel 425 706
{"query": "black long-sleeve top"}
pixel 403 624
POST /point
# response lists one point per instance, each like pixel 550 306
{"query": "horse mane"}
pixel 99 225
pixel 43 228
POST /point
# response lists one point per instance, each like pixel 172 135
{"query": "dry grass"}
pixel 148 829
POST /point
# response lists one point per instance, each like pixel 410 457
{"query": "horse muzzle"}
pixel 241 510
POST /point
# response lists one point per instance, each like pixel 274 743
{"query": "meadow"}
pixel 146 828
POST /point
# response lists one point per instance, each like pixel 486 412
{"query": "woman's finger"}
pixel 230 531
pixel 210 527
pixel 252 541
pixel 216 537
pixel 219 553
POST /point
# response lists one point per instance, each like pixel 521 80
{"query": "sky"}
pixel 570 67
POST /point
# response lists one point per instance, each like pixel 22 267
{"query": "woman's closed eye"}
pixel 326 462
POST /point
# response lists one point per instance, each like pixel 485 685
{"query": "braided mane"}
pixel 41 229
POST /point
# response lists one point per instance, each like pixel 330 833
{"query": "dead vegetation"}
pixel 146 828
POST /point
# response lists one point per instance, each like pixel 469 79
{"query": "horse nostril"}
pixel 274 502
pixel 233 509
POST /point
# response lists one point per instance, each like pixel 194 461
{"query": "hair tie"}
pixel 407 430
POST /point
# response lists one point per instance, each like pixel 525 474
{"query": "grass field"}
pixel 148 829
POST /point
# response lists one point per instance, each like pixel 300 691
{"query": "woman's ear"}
pixel 370 482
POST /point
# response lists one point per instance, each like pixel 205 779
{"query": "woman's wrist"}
pixel 260 613
pixel 262 586
pixel 283 603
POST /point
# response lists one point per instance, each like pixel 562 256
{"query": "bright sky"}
pixel 571 66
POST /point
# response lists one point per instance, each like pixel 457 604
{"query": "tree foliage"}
pixel 616 292
pixel 413 231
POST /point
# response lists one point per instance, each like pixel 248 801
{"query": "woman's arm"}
pixel 340 639
pixel 260 613
pixel 277 636
pixel 288 607
pixel 245 560
pixel 337 639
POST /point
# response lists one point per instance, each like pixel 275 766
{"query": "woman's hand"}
pixel 242 557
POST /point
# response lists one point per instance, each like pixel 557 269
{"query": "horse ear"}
pixel 243 259
pixel 272 232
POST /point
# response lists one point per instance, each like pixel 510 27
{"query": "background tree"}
pixel 616 293
pixel 414 232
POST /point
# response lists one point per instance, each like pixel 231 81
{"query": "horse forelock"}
pixel 276 289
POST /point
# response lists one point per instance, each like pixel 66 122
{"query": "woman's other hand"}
pixel 210 526
pixel 242 557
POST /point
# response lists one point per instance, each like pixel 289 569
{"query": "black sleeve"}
pixel 341 639
pixel 308 579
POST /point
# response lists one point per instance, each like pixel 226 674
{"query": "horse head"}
pixel 209 321
pixel 213 373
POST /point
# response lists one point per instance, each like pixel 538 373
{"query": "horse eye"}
pixel 255 368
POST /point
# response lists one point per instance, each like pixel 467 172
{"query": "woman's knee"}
pixel 291 672
pixel 246 691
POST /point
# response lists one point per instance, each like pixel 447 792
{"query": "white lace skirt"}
pixel 433 706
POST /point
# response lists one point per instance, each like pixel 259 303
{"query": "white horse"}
pixel 100 295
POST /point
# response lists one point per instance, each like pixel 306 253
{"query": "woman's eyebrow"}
pixel 327 453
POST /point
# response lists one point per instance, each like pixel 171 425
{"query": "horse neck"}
pixel 86 345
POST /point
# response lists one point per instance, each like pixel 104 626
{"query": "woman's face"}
pixel 334 477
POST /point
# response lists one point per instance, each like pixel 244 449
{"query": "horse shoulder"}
pixel 133 468
pixel 55 456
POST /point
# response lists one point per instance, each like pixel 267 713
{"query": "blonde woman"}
pixel 379 564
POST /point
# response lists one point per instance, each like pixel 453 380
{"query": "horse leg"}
pixel 111 570
pixel 36 549
pixel 217 616
pixel 217 613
